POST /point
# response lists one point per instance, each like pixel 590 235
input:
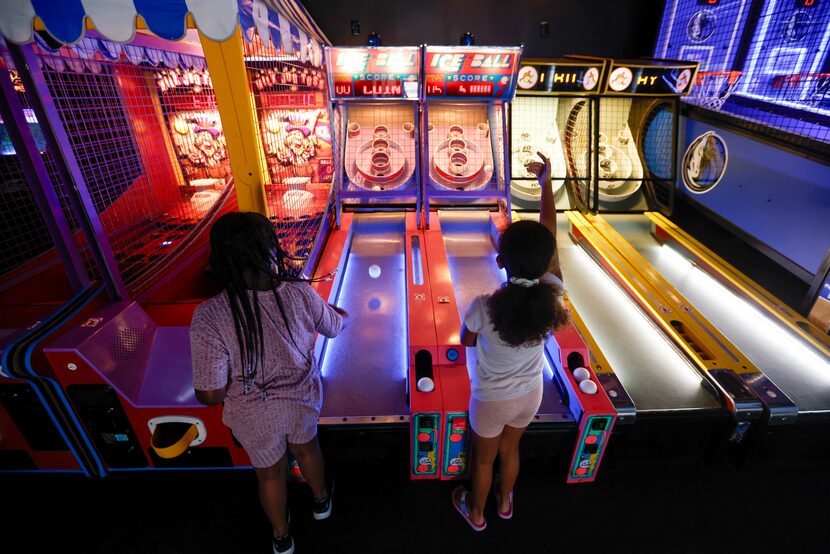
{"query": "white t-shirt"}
pixel 499 371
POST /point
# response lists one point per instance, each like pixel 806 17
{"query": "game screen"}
pixel 772 69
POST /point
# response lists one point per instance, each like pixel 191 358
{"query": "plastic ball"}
pixel 588 387
pixel 580 374
pixel 425 384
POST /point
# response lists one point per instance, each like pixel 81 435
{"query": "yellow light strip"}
pixel 690 331
pixel 742 285
pixel 601 363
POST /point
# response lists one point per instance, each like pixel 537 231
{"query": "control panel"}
pixel 593 436
pixel 456 446
pixel 107 423
pixel 425 444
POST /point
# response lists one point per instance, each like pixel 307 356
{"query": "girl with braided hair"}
pixel 508 328
pixel 253 349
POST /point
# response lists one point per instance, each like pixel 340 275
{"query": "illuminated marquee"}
pixel 459 72
pixel 374 72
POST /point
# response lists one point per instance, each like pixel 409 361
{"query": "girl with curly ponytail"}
pixel 508 328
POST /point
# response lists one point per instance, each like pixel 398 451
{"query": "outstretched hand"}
pixel 540 169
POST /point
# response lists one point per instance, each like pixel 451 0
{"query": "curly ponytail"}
pixel 520 313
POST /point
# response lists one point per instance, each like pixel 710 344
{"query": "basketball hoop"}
pixel 712 88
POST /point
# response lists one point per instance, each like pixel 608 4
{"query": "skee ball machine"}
pixel 465 98
pixel 379 371
pixel 466 95
pixel 462 86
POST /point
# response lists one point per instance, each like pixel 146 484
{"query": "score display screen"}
pixel 660 80
pixel 460 72
pixel 806 3
pixel 560 78
pixel 708 2
pixel 382 72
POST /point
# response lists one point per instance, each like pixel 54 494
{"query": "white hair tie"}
pixel 522 282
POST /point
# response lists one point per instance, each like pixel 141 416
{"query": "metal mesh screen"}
pixel 25 243
pixel 579 131
pixel 295 133
pixel 764 63
pixel 539 124
pixel 461 144
pixel 636 153
pixel 145 131
pixel 23 233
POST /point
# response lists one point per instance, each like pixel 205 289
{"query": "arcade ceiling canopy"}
pixel 285 23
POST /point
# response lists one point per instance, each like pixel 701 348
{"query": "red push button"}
pixel 591 439
pixel 456 437
pixel 453 469
pixel 580 471
pixel 423 437
pixel 422 468
pixel 296 471
pixel 459 424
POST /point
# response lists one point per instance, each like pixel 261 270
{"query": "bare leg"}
pixel 484 454
pixel 508 463
pixel 273 495
pixel 310 458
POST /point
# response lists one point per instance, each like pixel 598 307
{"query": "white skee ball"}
pixel 374 271
pixel 580 374
pixel 425 384
pixel 588 387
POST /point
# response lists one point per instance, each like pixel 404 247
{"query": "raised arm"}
pixel 547 207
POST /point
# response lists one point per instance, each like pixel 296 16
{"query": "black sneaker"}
pixel 322 508
pixel 284 544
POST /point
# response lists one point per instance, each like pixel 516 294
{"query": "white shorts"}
pixel 488 417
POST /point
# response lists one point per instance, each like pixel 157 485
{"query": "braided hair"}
pixel 525 314
pixel 246 243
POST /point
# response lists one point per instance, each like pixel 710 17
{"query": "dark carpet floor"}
pixel 636 506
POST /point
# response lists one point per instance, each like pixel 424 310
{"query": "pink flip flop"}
pixel 509 513
pixel 459 501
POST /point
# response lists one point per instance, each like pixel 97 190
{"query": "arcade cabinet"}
pixel 139 132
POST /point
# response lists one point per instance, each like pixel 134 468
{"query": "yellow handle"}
pixel 176 449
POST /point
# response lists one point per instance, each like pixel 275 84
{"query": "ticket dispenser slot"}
pixel 424 378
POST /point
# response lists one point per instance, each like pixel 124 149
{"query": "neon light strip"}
pixel 751 317
pixel 821 50
pixel 734 36
pixel 756 51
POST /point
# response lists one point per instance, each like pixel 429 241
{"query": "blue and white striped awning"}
pixel 286 22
